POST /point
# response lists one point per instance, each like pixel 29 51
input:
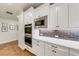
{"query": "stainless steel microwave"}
pixel 41 22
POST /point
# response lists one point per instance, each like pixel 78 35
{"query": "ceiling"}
pixel 15 8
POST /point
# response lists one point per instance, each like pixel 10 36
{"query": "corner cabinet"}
pixel 38 47
pixel 59 15
pixel 55 50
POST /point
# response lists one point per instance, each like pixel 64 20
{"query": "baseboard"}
pixel 7 41
pixel 21 47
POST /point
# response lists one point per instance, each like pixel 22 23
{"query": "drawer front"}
pixel 61 48
pixel 48 50
pixel 74 52
pixel 61 51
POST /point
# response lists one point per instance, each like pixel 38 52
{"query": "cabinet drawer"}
pixel 61 48
pixel 74 52
pixel 61 53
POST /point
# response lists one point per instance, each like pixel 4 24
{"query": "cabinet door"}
pixel 61 51
pixel 53 16
pixel 35 47
pixel 49 50
pixel 62 11
pixel 41 48
pixel 74 15
pixel 38 47
pixel 74 52
pixel 28 16
pixel 42 10
pixel 26 19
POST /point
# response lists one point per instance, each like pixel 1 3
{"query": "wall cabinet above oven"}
pixel 41 11
pixel 28 16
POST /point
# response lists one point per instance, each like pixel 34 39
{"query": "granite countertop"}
pixel 63 42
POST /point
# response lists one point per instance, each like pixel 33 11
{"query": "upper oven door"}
pixel 41 22
pixel 28 29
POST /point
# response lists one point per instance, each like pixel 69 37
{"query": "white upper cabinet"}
pixel 59 15
pixel 62 15
pixel 52 16
pixel 28 16
pixel 74 15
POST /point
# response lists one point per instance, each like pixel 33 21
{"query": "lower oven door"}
pixel 28 41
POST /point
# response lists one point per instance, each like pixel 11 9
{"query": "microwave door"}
pixel 39 23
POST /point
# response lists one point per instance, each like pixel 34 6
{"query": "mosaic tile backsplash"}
pixel 61 34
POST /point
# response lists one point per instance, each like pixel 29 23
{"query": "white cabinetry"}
pixel 74 52
pixel 55 50
pixel 59 15
pixel 74 15
pixel 42 10
pixel 28 16
pixel 53 16
pixel 38 47
pixel 62 14
pixel 61 51
pixel 49 50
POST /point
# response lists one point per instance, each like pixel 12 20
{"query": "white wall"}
pixel 21 43
pixel 11 35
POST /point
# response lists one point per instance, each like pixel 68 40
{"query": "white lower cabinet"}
pixel 49 50
pixel 41 48
pixel 61 51
pixel 74 52
pixel 38 47
pixel 55 50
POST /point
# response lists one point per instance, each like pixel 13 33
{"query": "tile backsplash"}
pixel 62 34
